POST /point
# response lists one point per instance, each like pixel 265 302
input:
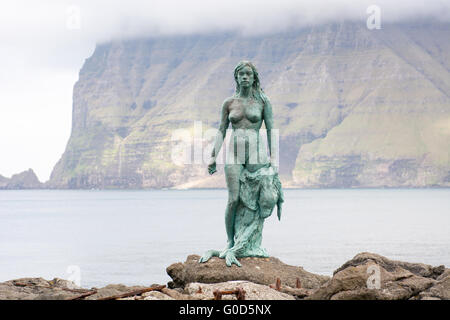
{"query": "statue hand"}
pixel 212 166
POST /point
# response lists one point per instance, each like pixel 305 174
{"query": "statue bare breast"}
pixel 245 114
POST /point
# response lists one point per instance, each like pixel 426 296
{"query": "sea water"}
pixel 130 237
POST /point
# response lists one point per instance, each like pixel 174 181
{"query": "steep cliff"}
pixel 355 107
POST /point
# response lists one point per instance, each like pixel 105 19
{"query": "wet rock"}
pixel 371 276
pixel 258 270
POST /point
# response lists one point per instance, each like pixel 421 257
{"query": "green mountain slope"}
pixel 355 107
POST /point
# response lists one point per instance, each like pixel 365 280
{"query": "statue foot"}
pixel 230 244
pixel 223 254
pixel 230 258
pixel 208 255
pixel 227 254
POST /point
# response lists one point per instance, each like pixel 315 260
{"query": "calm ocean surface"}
pixel 130 237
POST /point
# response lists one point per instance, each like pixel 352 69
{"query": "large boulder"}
pixel 371 276
pixel 441 290
pixel 258 270
pixel 36 289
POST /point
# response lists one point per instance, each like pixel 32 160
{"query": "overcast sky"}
pixel 43 45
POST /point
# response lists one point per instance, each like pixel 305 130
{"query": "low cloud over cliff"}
pixel 44 44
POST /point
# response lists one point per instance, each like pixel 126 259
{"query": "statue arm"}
pixel 268 121
pixel 224 123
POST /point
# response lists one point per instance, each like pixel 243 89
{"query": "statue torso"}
pixel 245 113
pixel 246 117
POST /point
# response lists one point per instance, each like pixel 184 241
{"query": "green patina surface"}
pixel 253 185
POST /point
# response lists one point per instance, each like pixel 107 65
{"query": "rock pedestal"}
pixel 258 270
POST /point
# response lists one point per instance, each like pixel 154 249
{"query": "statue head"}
pixel 245 74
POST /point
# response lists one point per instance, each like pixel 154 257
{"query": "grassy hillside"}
pixel 355 107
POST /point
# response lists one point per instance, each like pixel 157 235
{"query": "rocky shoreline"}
pixel 367 276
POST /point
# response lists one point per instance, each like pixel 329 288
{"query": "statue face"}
pixel 245 77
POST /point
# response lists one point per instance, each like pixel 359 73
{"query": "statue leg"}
pixel 232 174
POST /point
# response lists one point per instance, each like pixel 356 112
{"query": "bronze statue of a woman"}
pixel 252 179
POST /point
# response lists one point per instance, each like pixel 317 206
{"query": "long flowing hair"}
pixel 257 92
